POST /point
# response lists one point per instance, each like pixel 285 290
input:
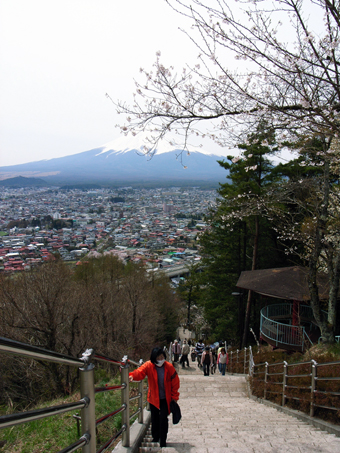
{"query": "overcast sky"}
pixel 59 58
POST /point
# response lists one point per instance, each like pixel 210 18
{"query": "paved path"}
pixel 218 417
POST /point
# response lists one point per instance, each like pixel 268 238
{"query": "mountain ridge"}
pixel 22 181
pixel 104 164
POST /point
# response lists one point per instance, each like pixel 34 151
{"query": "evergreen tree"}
pixel 240 237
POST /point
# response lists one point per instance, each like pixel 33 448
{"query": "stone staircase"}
pixel 219 417
pixel 149 446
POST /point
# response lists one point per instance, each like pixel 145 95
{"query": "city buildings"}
pixel 158 227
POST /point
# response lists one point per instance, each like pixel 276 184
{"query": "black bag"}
pixel 176 412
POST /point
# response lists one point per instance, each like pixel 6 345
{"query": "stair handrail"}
pixel 269 381
pixel 85 364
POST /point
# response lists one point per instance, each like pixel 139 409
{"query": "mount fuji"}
pixel 124 160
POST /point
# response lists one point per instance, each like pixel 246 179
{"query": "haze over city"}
pixel 58 59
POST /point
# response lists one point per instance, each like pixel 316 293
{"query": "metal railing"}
pixel 282 333
pixel 306 382
pixel 313 385
pixel 241 361
pixel 87 441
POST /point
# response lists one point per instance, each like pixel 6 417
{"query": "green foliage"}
pixel 58 224
pixel 308 163
pixel 57 432
pixel 222 265
pixel 240 237
pixel 48 434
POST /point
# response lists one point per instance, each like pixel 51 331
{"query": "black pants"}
pixel 159 422
pixel 184 358
pixel 206 368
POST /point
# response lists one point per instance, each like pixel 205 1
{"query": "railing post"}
pixel 245 361
pixel 88 418
pixel 236 355
pixel 147 390
pixel 251 365
pixel 303 338
pixel 313 387
pixel 284 382
pixel 140 400
pixel 126 402
pixel 265 380
pixel 231 361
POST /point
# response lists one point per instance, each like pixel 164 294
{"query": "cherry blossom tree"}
pixel 287 74
pixel 305 213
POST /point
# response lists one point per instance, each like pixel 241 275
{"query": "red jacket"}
pixel 171 382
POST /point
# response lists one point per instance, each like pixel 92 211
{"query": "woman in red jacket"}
pixel 163 388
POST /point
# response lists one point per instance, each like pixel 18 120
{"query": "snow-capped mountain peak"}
pixel 142 145
pixel 139 142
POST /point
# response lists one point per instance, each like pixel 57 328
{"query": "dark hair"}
pixel 155 353
pixel 207 348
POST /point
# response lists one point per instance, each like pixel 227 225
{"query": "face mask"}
pixel 160 362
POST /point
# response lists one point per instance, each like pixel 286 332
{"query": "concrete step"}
pixel 149 449
pixel 157 449
pixel 219 417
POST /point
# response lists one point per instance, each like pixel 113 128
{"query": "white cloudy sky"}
pixel 59 58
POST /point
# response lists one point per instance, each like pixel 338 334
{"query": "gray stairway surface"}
pixel 218 416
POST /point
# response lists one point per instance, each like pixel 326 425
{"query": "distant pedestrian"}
pixel 221 345
pixel 193 354
pixel 207 360
pixel 176 350
pixel 163 388
pixel 222 361
pixel 199 348
pixel 185 353
pixel 214 356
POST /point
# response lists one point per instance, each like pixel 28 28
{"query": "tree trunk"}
pixel 250 293
pixel 327 327
pixel 332 302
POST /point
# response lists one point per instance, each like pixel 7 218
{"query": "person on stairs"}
pixel 222 361
pixel 185 353
pixel 199 351
pixel 163 388
pixel 207 360
pixel 176 350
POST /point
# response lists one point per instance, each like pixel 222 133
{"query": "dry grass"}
pixel 298 386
